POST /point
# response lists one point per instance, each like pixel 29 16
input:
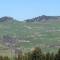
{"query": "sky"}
pixel 26 9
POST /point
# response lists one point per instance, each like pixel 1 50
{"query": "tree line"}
pixel 34 54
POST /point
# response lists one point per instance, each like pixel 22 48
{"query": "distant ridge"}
pixel 6 18
pixel 43 18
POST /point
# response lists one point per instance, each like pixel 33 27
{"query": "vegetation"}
pixel 34 54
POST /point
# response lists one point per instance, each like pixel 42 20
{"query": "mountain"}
pixel 43 18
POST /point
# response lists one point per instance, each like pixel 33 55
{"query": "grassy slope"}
pixel 46 35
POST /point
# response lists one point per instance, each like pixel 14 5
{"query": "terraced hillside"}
pixel 22 35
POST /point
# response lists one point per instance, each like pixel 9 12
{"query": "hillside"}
pixel 17 35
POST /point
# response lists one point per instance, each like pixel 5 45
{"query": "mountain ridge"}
pixel 35 19
pixel 43 18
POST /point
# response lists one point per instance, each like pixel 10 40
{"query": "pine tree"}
pixel 29 55
pixel 19 57
pixel 6 58
pixel 47 57
pixel 52 56
pixel 1 58
pixel 36 54
pixel 57 56
pixel 43 56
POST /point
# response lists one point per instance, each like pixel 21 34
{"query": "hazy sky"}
pixel 24 9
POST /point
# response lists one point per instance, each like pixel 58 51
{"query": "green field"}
pixel 43 34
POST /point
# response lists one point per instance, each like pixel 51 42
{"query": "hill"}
pixel 6 18
pixel 15 35
pixel 43 18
